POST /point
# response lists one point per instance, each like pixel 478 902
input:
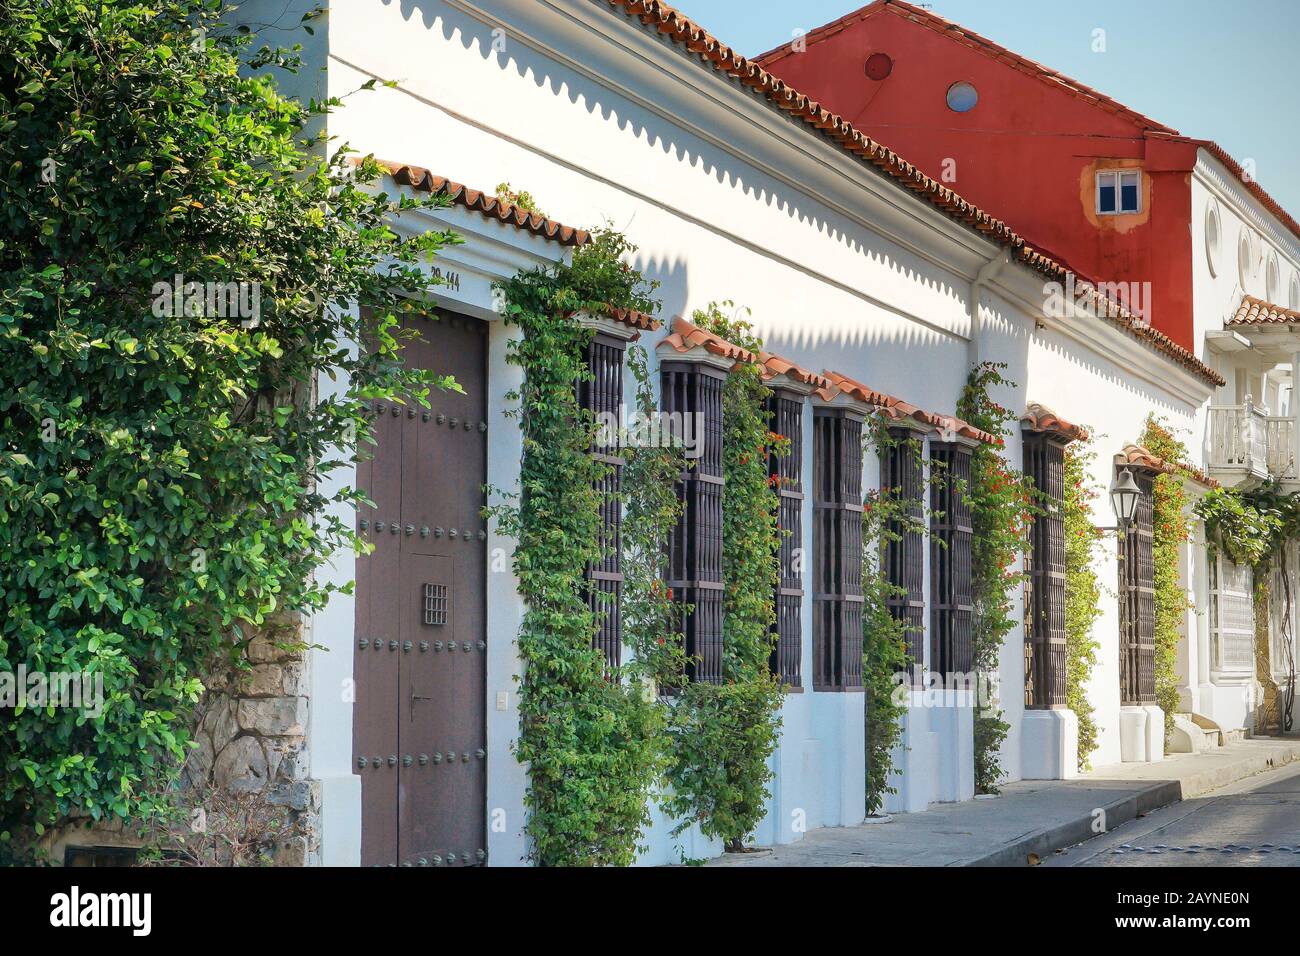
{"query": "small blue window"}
pixel 1119 191
pixel 1106 196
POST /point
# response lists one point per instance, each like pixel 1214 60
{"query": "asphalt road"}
pixel 1253 822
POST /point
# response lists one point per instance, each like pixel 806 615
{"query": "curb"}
pixel 1161 794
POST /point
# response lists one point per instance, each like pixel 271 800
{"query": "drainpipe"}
pixel 987 273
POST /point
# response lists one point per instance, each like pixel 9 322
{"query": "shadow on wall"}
pixel 810 337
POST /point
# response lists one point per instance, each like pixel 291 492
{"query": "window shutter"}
pixel 603 395
pixel 904 558
pixel 837 550
pixel 787 473
pixel 951 602
pixel 695 567
pixel 1045 640
pixel 1137 651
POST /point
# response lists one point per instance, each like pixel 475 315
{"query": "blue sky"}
pixel 1214 69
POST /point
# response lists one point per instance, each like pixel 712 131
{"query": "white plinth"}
pixel 1049 744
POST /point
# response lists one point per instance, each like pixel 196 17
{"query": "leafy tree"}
pixel 159 456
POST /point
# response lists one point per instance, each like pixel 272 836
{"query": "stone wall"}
pixel 252 739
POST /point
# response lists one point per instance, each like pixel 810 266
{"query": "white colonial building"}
pixel 875 289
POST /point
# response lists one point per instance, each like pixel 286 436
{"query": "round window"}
pixel 1293 294
pixel 1212 237
pixel 1272 280
pixel 1244 258
pixel 962 97
pixel 879 66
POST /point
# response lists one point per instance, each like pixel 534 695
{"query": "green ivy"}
pixel 1170 531
pixel 886 517
pixel 1001 506
pixel 160 473
pixel 1083 590
pixel 724 734
pixel 590 738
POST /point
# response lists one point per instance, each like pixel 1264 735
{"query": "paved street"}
pixel 1253 822
pixel 1033 818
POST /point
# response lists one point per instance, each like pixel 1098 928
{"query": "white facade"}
pixel 1249 432
pixel 727 198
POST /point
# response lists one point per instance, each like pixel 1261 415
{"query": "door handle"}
pixel 414 698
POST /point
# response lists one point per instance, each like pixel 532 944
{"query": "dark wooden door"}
pixel 419 735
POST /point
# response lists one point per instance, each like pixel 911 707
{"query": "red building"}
pixel 1097 185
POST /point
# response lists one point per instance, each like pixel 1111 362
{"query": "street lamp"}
pixel 1124 497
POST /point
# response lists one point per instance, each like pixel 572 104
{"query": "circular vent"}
pixel 962 97
pixel 879 66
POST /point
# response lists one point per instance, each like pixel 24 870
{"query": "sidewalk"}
pixel 1036 816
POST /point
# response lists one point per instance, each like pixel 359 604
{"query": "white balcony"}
pixel 1248 444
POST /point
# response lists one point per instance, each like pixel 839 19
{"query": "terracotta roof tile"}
pixel 776 365
pixel 686 335
pixel 493 207
pixel 685 32
pixel 1040 418
pixel 634 319
pixel 1253 311
pixel 897 409
pixel 1140 457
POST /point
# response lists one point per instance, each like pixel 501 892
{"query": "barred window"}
pixel 1045 640
pixel 951 601
pixel 602 395
pixel 1137 605
pixel 786 410
pixel 837 550
pixel 904 559
pixel 695 552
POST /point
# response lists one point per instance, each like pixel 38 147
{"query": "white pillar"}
pixel 1294 412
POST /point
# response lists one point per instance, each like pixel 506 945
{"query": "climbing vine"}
pixel 1254 528
pixel 886 517
pixel 590 738
pixel 651 618
pixel 724 734
pixel 1083 589
pixel 1001 506
pixel 1169 531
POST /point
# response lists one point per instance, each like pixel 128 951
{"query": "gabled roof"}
pixel 970 38
pixel 1253 311
pixel 493 207
pixel 683 31
pixel 1057 80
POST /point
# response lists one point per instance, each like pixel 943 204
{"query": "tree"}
pixel 178 265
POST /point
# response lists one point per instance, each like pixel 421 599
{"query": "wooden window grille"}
pixel 1045 638
pixel 1137 643
pixel 904 557
pixel 951 600
pixel 602 395
pixel 695 550
pixel 837 550
pixel 786 410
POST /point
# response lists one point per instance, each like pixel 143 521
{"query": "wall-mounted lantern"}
pixel 1124 497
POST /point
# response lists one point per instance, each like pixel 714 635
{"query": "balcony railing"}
pixel 1246 439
